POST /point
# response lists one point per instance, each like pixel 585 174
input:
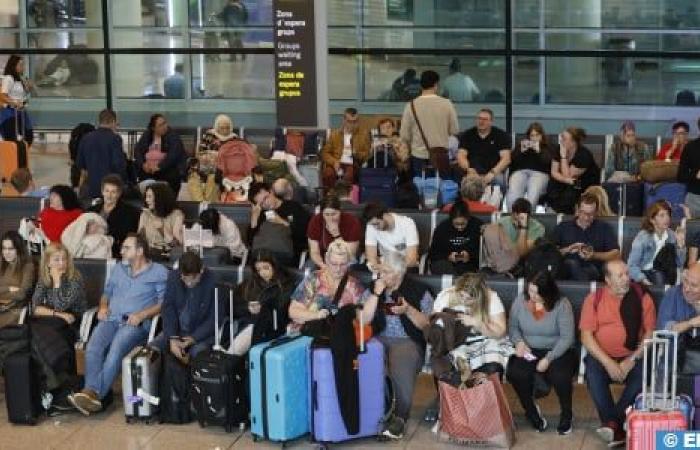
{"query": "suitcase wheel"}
pixel 256 438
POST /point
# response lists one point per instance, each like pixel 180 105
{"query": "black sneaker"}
pixel 538 422
pixel 394 428
pixel 565 427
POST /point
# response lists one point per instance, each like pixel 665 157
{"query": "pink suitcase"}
pixel 658 413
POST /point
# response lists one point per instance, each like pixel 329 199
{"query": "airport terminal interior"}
pixel 586 63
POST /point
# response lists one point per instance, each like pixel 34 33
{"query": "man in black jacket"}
pixel 689 174
pixel 121 217
pixel 399 321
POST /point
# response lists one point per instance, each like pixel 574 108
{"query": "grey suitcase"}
pixel 140 371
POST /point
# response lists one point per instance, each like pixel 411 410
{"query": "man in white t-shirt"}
pixel 389 232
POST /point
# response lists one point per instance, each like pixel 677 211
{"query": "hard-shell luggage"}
pixel 328 424
pixel 22 388
pixel 378 184
pixel 279 388
pixel 13 155
pixel 174 388
pixel 674 193
pixel 690 385
pixel 218 390
pixel 660 409
pixel 626 199
pixel 140 373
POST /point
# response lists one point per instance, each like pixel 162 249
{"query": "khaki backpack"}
pixel 498 252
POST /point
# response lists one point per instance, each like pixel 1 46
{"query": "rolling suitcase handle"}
pixel 217 337
pixel 671 347
pixel 659 341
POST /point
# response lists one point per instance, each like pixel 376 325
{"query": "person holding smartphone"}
pixel 585 242
pixel 262 302
pixel 454 249
pixel 530 165
pixel 399 324
pixel 188 309
pixel 541 325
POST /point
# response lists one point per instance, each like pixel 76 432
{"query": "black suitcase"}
pixel 175 382
pixel 219 389
pixel 626 199
pixel 22 388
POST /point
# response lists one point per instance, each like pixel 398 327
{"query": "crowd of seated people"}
pixel 536 339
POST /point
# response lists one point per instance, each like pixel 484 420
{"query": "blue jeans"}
pixel 162 344
pixel 108 345
pixel 529 184
pixel 579 270
pixel 598 382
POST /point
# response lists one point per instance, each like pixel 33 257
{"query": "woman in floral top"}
pixel 313 297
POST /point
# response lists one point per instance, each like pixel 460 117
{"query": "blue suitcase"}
pixel 674 193
pixel 279 388
pixel 328 424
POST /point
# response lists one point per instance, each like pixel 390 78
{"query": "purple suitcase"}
pixel 328 425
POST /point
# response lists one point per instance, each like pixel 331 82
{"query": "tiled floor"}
pixel 109 431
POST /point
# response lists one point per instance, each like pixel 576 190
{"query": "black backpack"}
pixel 76 135
pixel 175 391
pixel 544 256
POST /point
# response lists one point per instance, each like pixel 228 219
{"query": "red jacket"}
pixel 54 221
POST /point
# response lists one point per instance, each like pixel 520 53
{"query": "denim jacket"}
pixel 643 251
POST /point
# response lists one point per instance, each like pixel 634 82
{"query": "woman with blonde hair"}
pixel 484 347
pixel 58 304
pixel 317 297
pixel 604 209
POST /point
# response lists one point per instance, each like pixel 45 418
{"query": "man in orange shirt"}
pixel 615 320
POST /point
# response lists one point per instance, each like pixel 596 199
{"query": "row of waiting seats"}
pixel 263 138
pixel 95 273
pixel 626 228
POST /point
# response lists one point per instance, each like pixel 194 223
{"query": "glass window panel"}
pixel 526 13
pixel 260 37
pixel 211 76
pixel 342 76
pixel 65 13
pixel 343 12
pixel 385 77
pixel 672 14
pixel 65 39
pixel 623 41
pixel 443 39
pixel 150 14
pixel 68 76
pixel 526 79
pixel 225 13
pixel 526 40
pixel 342 37
pixel 214 76
pixel 629 81
pixel 9 14
pixel 140 38
pixel 9 39
pixel 449 13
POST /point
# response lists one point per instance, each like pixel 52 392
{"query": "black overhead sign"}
pixel 295 63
